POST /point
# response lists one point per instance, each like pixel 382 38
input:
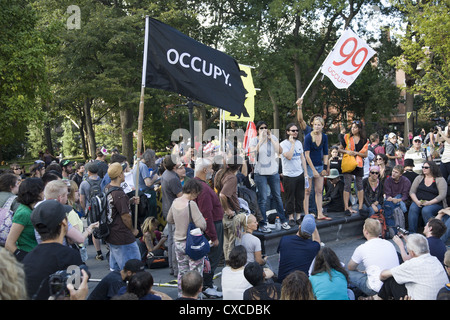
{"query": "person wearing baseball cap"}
pixel 66 166
pixel 50 256
pixel 418 154
pixel 299 250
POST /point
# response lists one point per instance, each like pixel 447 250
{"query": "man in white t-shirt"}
pixel 375 255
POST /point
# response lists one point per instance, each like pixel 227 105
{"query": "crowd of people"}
pixel 293 183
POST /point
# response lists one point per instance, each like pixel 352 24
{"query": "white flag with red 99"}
pixel 346 61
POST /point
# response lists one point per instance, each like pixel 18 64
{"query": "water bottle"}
pixel 277 224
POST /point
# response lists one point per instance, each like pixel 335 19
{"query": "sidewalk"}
pixel 164 282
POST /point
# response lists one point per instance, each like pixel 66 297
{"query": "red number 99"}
pixel 351 54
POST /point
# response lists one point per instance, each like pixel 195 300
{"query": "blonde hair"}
pixel 54 189
pixel 146 227
pixel 242 224
pixel 71 196
pixel 12 277
pixel 373 227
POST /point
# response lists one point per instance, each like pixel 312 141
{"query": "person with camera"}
pixel 265 147
pixel 50 256
pixel 433 231
pixel 419 278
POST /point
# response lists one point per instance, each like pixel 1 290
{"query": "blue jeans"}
pixel 359 280
pixel 370 209
pixel 426 211
pixel 446 220
pixel 120 254
pixel 266 183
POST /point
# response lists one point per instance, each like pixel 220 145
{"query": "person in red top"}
pixel 209 204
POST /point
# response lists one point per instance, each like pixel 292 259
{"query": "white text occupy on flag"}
pixel 173 57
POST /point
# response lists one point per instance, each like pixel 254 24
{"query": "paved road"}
pixel 343 248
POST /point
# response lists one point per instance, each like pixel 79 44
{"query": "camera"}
pixel 403 231
pixel 58 282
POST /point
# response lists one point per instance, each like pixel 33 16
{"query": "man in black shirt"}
pixel 50 256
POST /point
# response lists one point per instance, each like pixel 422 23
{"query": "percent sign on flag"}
pixel 346 61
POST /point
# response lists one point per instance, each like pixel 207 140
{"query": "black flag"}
pixel 177 63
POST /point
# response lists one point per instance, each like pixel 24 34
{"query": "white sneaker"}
pixel 285 226
pixel 265 229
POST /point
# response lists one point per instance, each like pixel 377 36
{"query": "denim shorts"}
pixel 310 171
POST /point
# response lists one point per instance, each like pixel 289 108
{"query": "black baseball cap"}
pixel 48 215
pixel 66 162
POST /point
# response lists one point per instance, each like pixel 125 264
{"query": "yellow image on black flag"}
pixel 248 112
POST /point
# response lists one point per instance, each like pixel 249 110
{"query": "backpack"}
pixel 6 215
pixel 98 212
pixel 398 220
pixel 380 217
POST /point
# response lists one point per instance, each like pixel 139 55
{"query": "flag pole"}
pixel 141 120
pixel 315 76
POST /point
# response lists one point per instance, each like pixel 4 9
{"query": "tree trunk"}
pixel 276 112
pixel 409 107
pixel 90 128
pixel 126 126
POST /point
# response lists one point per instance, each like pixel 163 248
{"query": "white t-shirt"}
pixel 234 283
pixel 292 168
pixel 267 160
pixel 376 255
pixel 423 276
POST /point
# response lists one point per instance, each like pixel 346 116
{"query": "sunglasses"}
pixel 379 158
pixel 357 122
pixel 417 141
pixel 375 172
pixel 425 167
pixel 293 130
pixel 262 128
pixel 17 168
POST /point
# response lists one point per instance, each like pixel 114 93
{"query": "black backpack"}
pixel 98 212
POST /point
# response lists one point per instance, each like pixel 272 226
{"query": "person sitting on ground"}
pixel 116 281
pixel 433 231
pixel 191 285
pixel 234 282
pixel 251 243
pixel 50 256
pixel 296 286
pixel 375 255
pixel 298 251
pixel 152 241
pixel 141 285
pixel 261 289
pixel 419 278
pixel 329 279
